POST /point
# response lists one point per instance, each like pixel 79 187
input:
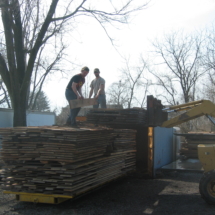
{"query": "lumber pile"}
pixel 192 140
pixel 120 117
pixel 56 144
pixel 124 143
pixel 67 161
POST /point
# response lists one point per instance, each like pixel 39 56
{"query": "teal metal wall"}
pixel 163 147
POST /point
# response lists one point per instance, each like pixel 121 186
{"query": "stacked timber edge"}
pixel 117 117
pixel 65 161
pixel 134 118
pixel 189 147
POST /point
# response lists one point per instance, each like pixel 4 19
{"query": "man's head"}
pixel 84 71
pixel 96 72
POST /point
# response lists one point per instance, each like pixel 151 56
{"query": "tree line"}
pixel 181 69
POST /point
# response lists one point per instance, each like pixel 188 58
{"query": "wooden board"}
pixel 82 102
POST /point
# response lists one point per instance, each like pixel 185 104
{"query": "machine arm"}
pixel 194 110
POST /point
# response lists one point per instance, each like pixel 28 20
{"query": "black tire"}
pixel 207 187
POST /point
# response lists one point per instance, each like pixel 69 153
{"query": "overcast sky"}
pixel 91 47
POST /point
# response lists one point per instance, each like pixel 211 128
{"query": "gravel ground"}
pixel 172 193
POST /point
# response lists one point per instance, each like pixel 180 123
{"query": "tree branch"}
pixel 38 43
pixel 71 14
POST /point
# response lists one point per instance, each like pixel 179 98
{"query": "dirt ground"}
pixel 171 193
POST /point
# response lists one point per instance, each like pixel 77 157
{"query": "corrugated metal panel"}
pixel 33 118
pixel 6 118
pixel 163 147
pixel 40 119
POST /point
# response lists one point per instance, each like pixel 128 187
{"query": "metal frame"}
pixel 56 198
pixel 39 197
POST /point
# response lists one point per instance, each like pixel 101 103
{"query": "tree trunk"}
pixel 19 106
pixel 19 117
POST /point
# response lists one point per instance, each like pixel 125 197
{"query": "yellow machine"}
pixel 206 153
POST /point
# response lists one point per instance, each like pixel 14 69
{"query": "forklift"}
pixel 206 152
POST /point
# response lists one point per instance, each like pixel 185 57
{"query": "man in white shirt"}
pixel 98 88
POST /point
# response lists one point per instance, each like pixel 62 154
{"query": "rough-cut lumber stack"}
pixel 67 161
pixel 125 143
pixel 125 139
pixel 56 144
pixel 191 142
pixel 118 117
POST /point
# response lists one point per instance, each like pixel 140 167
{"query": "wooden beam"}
pixel 82 102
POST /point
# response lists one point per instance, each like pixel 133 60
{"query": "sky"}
pixel 89 45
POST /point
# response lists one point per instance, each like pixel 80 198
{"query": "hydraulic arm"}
pixel 193 110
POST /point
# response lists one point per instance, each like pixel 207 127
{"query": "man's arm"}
pixel 80 92
pixel 101 88
pixel 91 93
pixel 74 88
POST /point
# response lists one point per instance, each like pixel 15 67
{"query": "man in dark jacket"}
pixel 73 91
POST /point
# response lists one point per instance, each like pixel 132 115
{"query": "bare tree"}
pixel 209 91
pixel 133 78
pixel 4 98
pixel 44 67
pixel 180 57
pixel 31 24
pixel 146 83
pixel 63 115
pixel 209 63
pixel 168 85
pixel 117 94
pixel 41 103
pixel 209 57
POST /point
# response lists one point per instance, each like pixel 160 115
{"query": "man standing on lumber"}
pixel 98 87
pixel 73 91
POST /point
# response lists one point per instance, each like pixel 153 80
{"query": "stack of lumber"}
pixel 191 142
pixel 124 140
pixel 53 143
pixel 124 143
pixel 117 116
pixel 59 160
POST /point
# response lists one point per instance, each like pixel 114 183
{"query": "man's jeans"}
pixel 101 101
pixel 73 112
